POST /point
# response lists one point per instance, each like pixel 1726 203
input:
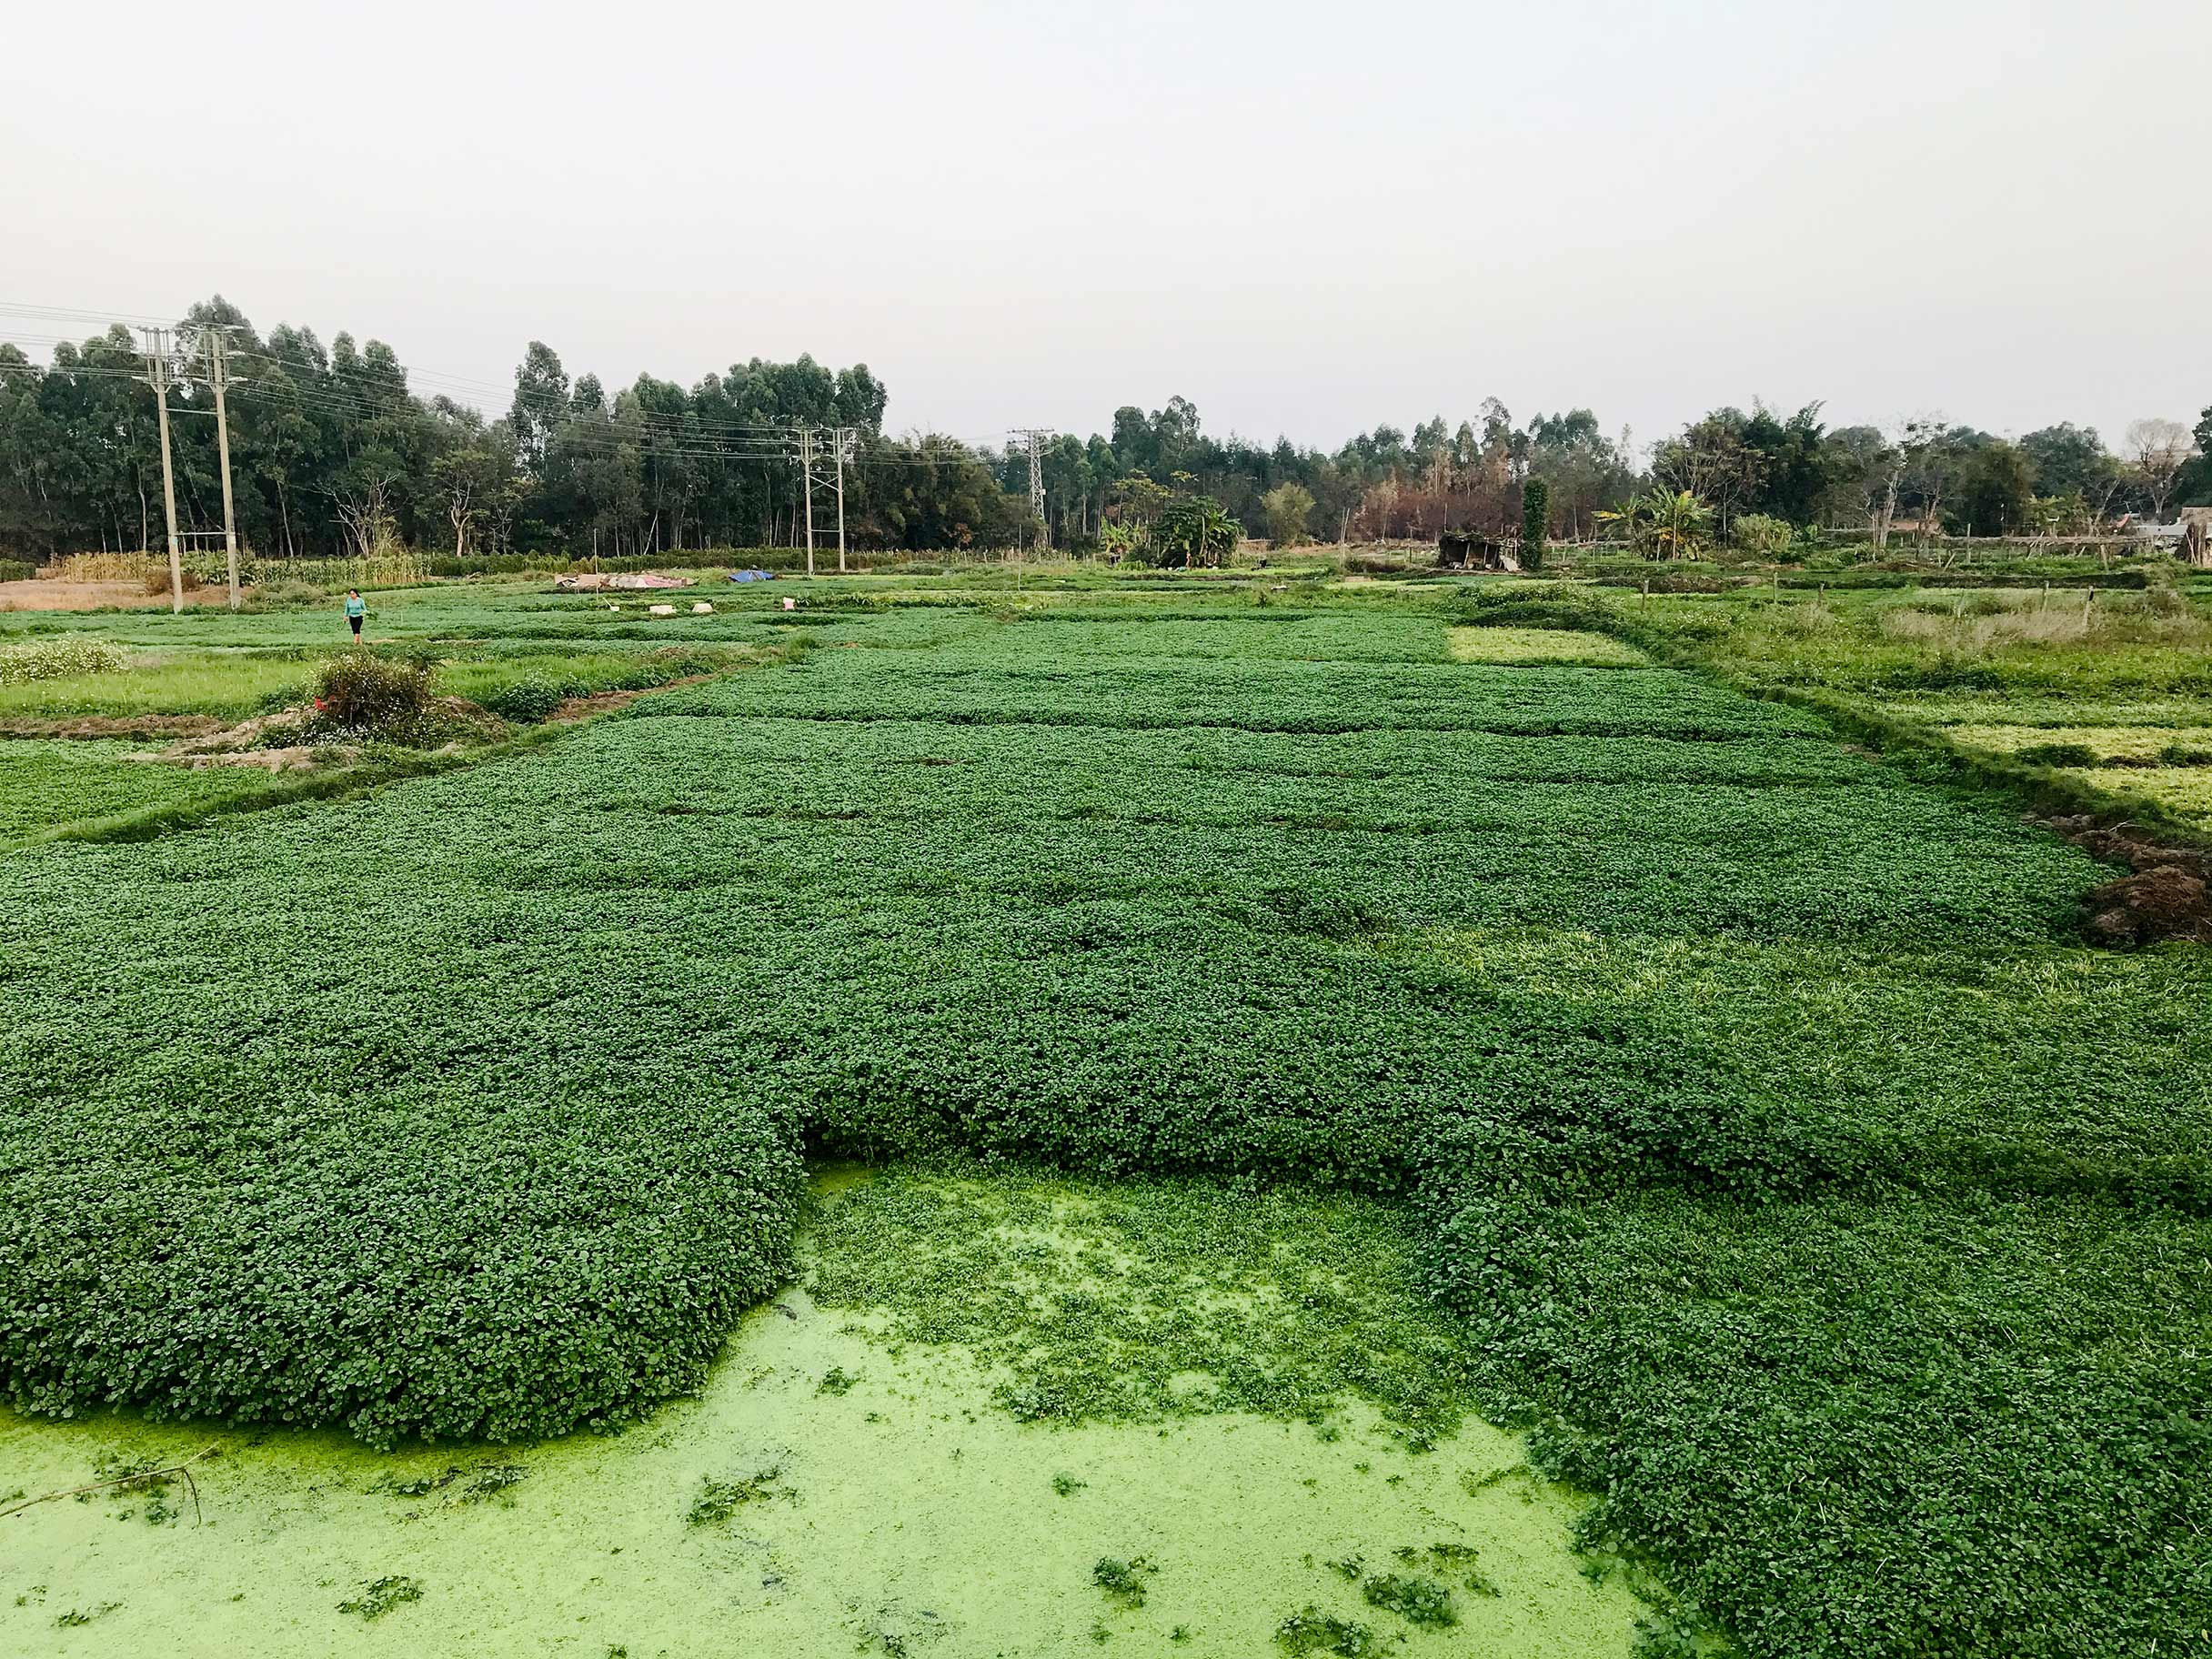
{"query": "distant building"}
pixel 1458 550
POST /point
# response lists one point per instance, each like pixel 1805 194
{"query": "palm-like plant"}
pixel 1194 527
pixel 1665 524
pixel 1679 522
pixel 1626 516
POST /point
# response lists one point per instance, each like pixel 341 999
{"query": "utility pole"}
pixel 218 374
pixel 806 487
pixel 1035 437
pixel 844 436
pixel 157 377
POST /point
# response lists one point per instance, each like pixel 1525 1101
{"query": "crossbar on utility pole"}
pixel 218 373
pixel 157 377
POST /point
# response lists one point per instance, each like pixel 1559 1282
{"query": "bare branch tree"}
pixel 2159 450
pixel 365 510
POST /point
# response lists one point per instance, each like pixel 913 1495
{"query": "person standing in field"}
pixel 356 608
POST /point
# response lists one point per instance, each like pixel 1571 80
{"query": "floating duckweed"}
pixel 492 1480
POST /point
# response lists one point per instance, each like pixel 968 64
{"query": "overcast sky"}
pixel 1306 218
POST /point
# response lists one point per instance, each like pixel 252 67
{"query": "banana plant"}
pixel 1665 524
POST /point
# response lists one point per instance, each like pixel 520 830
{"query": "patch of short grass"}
pixel 1541 644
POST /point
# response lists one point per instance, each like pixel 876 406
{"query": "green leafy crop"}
pixel 1781 1157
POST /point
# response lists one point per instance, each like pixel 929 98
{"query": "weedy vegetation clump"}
pixel 1312 1631
pixel 525 702
pixel 379 1596
pixel 362 692
pixel 1416 1600
pixel 722 1496
pixel 66 657
pixel 1123 1581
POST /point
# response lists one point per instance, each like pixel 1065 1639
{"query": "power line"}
pixel 9 307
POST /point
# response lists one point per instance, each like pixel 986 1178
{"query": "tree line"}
pixel 334 452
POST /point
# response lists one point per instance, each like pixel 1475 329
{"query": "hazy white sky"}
pixel 1307 218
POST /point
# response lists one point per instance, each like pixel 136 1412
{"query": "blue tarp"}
pixel 752 576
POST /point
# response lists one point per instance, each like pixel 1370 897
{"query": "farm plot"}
pixel 997 686
pixel 224 684
pixel 860 1474
pixel 2115 692
pixel 98 680
pixel 537 1044
pixel 46 782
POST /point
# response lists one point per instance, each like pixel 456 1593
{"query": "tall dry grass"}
pixel 108 568
pixel 1977 624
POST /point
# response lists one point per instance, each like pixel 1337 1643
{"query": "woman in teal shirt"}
pixel 354 609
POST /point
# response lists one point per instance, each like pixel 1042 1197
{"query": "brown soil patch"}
pixel 2150 905
pixel 252 743
pixel 246 735
pixel 599 702
pixel 41 595
pixel 2169 896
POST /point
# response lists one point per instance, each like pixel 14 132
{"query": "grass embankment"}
pixel 1833 1212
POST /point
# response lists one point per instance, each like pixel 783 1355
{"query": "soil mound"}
pixel 2169 896
pixel 2164 902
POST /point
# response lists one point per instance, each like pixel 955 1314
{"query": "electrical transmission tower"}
pixel 805 486
pixel 838 445
pixel 157 344
pixel 1033 440
pixel 847 440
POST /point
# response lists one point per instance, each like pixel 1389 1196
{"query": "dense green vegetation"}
pixel 231 685
pixel 43 783
pixel 1785 1157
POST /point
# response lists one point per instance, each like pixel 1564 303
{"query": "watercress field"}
pixel 1772 1148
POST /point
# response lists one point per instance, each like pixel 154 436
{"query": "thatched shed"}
pixel 1464 550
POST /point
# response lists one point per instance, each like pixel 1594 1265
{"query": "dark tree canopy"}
pixel 334 450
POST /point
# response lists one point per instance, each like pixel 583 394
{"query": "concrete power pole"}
pixel 1034 437
pixel 806 487
pixel 844 436
pixel 157 377
pixel 218 374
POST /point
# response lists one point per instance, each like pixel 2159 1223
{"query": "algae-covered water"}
pixel 848 1482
